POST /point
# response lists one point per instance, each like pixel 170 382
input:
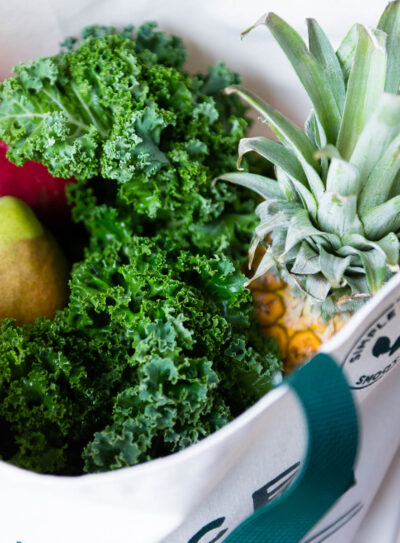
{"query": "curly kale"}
pixel 150 356
pixel 158 346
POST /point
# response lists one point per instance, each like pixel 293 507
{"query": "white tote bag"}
pixel 201 494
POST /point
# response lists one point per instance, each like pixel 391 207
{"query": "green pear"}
pixel 33 271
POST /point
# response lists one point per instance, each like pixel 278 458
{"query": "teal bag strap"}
pixel 327 472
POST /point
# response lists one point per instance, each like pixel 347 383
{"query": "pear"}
pixel 33 271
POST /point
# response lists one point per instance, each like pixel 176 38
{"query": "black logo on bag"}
pixel 210 527
pixel 275 488
pixel 376 351
pixel 383 346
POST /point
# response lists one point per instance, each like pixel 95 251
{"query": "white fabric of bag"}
pixel 382 522
pixel 209 488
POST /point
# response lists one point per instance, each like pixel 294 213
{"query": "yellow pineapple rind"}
pixel 299 330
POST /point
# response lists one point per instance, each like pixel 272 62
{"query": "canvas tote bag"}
pixel 309 457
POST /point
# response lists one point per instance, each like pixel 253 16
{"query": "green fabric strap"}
pixel 327 471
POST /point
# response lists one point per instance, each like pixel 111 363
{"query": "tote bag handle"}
pixel 328 467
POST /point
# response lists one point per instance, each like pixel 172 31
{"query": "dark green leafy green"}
pixel 157 347
pixel 150 356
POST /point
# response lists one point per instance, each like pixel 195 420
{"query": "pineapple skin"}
pixel 290 319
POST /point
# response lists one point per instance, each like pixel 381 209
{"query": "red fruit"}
pixel 33 184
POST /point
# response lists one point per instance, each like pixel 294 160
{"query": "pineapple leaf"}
pixel 317 286
pixel 261 232
pixel 383 219
pixel 387 246
pixel 269 224
pixel 395 190
pixel 381 128
pixel 276 153
pixel 286 131
pixel 314 180
pixel 311 129
pixel 329 151
pixel 390 23
pixel 300 227
pixel 356 241
pixel 264 186
pixel 294 191
pixel 390 246
pixel 365 86
pixel 337 214
pixel 307 261
pixel 333 267
pixel 347 51
pixel 255 242
pixel 380 181
pixel 374 264
pixel 358 284
pixel 289 134
pixel 267 262
pixel 275 207
pixel 307 198
pixel 310 72
pixel 286 185
pixel 323 51
pixel 343 178
pixel 317 137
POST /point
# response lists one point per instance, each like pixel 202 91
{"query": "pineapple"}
pixel 290 319
pixel 330 220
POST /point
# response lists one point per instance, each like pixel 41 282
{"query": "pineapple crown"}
pixel 330 220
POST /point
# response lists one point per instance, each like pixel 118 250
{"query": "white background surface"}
pixel 211 31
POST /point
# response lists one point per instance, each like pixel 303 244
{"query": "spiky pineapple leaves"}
pixel 263 186
pixel 390 24
pixel 287 132
pixel 364 88
pixel 289 172
pixel 383 218
pixel 343 178
pixel 274 152
pixel 379 183
pixel 332 220
pixel 381 128
pixel 310 72
pixel 323 51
